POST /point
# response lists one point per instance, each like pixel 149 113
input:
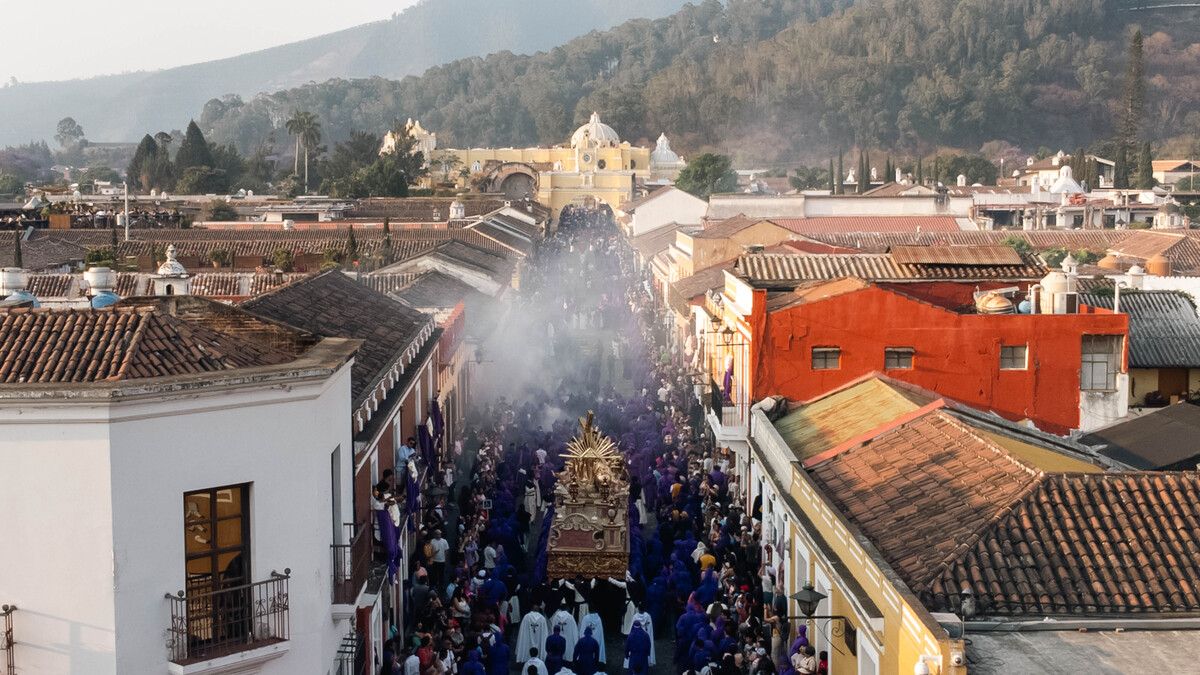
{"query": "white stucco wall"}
pixel 56 545
pixel 673 206
pixel 98 594
pixel 1101 408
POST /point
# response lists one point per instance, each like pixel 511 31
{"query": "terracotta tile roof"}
pixel 869 224
pixel 723 229
pixel 53 285
pixel 653 242
pixel 261 283
pixel 922 490
pixel 419 209
pixel 956 255
pixel 217 283
pixel 1096 241
pixel 116 343
pixel 41 253
pixel 1084 543
pixel 334 305
pixel 1164 331
pixel 813 428
pixel 127 284
pixel 783 270
pixel 948 507
pixel 405 242
pixel 1183 251
pixel 630 207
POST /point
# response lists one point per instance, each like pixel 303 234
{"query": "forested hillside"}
pixel 771 80
pixel 123 107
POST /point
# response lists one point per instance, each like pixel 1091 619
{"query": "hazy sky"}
pixel 76 38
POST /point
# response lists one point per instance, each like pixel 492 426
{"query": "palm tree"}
pixel 310 138
pixel 295 126
pixel 307 129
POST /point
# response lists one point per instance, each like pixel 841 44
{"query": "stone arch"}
pixel 515 179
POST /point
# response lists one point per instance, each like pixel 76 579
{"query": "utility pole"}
pixel 125 186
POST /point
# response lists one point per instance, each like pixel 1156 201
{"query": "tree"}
pixel 307 130
pixel 282 257
pixel 17 259
pixel 69 134
pixel 351 247
pixel 1121 169
pixel 218 257
pixel 706 174
pixel 1145 172
pixel 141 168
pixel 202 180
pixel 89 176
pixel 105 256
pixel 193 151
pixel 10 185
pixel 1020 244
pixel 222 212
pixel 1133 95
pixel 920 177
pixel 832 178
pixel 838 185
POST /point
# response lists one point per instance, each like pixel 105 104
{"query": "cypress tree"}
pixel 141 167
pixel 17 260
pixel 193 151
pixel 1133 95
pixel 838 179
pixel 351 247
pixel 832 180
pixel 1121 169
pixel 1145 175
pixel 920 173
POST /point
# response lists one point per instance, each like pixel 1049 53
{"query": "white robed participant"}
pixel 593 621
pixel 532 633
pixel 647 625
pixel 630 610
pixel 565 623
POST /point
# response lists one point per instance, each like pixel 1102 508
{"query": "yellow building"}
pixel 597 166
pixel 874 494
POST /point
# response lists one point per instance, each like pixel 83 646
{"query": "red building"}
pixel 803 338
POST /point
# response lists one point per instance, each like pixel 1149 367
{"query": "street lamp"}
pixel 808 598
pixel 727 336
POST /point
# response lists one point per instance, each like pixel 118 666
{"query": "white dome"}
pixel 171 267
pixel 594 133
pixel 662 154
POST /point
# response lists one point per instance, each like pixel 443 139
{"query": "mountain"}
pixel 124 107
pixel 794 80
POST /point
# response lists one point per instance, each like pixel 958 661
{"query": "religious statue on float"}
pixel 589 535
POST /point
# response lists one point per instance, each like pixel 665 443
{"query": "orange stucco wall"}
pixel 956 355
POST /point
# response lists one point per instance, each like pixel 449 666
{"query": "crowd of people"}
pixel 702 580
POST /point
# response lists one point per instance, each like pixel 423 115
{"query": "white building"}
pixel 662 207
pixel 171 491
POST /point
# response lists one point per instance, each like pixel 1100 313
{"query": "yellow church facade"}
pixel 597 166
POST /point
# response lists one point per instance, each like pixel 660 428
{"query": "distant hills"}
pixel 124 107
pixel 779 81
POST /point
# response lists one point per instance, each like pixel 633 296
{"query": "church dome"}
pixel 1168 208
pixel 662 154
pixel 594 134
pixel 171 267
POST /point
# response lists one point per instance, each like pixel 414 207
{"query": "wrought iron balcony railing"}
pixel 210 624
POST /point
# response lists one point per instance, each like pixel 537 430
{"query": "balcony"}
pixel 6 638
pixel 244 624
pixel 351 564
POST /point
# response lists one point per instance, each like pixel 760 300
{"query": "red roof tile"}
pixel 48 345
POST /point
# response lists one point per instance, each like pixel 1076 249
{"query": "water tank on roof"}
pixel 1159 265
pixel 1053 284
pixel 1110 262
